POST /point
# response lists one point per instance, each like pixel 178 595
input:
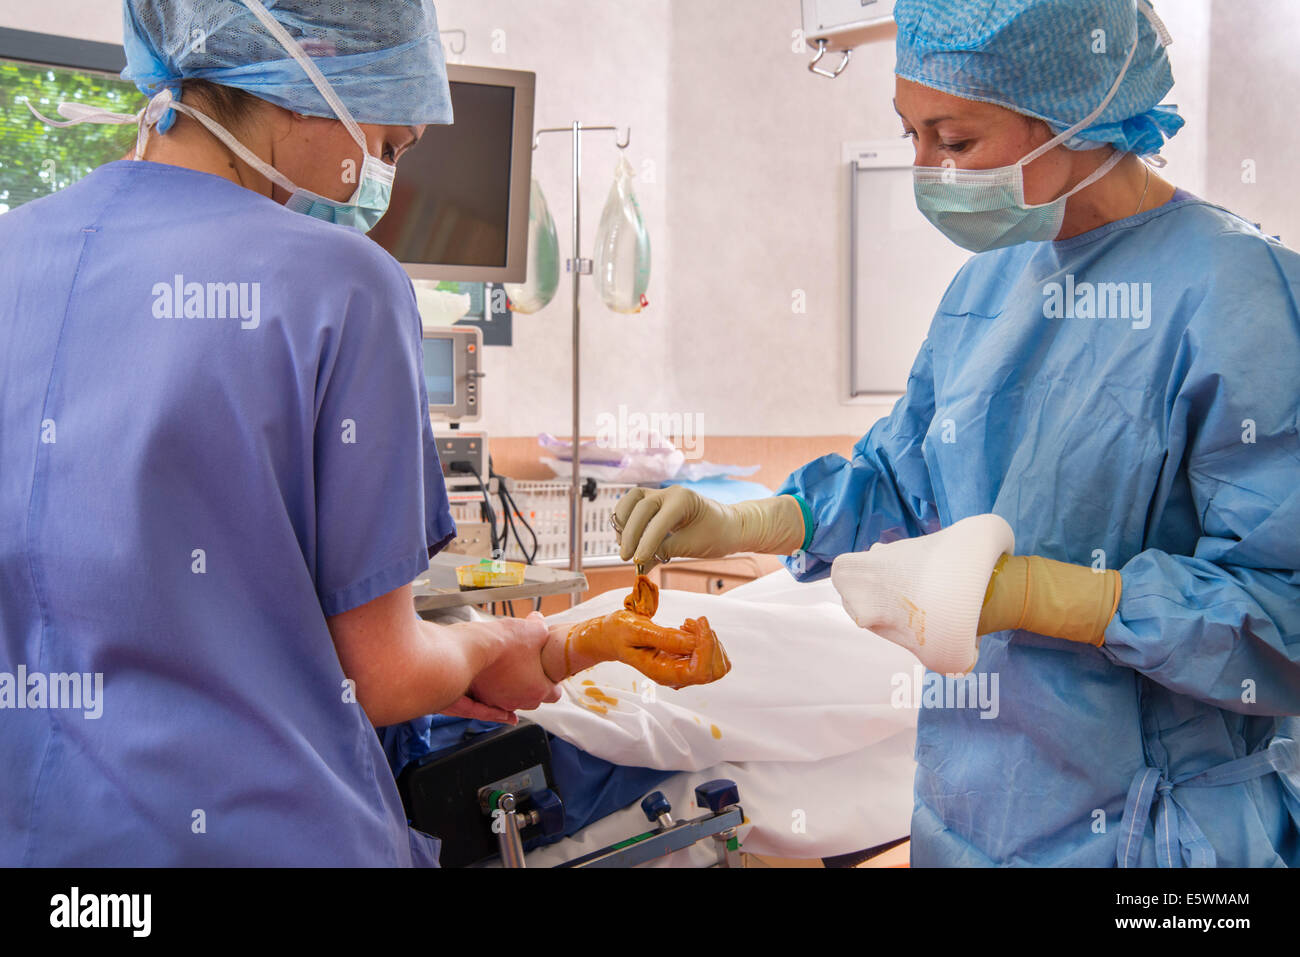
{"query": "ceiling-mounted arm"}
pixel 839 26
pixel 813 67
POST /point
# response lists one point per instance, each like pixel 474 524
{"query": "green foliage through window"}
pixel 35 159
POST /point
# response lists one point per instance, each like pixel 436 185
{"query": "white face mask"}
pixel 981 209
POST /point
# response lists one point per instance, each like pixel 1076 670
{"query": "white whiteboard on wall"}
pixel 899 267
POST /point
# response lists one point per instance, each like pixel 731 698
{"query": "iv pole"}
pixel 578 267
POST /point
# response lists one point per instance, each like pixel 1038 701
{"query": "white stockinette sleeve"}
pixel 806 684
pixel 926 593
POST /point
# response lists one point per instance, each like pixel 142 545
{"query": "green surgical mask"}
pixel 982 209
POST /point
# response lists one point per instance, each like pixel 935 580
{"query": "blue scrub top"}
pixel 213 435
pixel 1128 398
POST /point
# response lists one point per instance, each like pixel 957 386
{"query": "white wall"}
pixel 1253 109
pixel 84 19
pixel 743 193
pixel 582 75
pixel 1189 56
pixel 758 214
pixel 746 205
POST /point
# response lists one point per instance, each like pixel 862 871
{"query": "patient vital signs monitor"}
pixel 453 377
pixel 452 372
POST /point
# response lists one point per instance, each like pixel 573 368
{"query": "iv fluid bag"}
pixel 543 259
pixel 622 261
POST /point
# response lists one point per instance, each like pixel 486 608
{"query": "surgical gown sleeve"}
pixel 1222 624
pixel 882 494
pixel 381 503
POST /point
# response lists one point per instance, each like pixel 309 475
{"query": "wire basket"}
pixel 545 505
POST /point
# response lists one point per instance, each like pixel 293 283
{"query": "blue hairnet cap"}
pixel 383 58
pixel 1051 59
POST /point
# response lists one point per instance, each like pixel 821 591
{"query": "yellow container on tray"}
pixel 490 573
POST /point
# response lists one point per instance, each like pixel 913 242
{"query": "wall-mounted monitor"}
pixel 459 209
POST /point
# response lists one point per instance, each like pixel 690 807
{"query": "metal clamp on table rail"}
pixel 721 797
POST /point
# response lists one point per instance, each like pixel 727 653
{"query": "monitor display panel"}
pixel 459 208
pixel 440 371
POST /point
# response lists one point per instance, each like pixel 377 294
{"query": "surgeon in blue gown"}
pixel 1152 429
pixel 217 471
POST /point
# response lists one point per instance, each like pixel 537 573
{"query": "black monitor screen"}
pixel 451 197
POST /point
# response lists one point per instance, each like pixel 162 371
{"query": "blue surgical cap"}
pixel 1051 59
pixel 382 57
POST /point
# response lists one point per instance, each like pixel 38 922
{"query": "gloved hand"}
pixel 658 524
pixel 1057 599
pixel 926 593
pixel 674 657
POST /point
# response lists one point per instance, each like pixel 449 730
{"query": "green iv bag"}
pixel 543 280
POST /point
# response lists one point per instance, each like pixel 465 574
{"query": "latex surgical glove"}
pixel 658 524
pixel 673 657
pixel 1057 599
pixel 926 593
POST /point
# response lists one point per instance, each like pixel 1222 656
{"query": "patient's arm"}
pixel 675 657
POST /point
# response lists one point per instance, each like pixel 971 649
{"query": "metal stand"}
pixel 578 267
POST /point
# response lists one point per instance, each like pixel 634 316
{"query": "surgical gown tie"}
pixel 1174 826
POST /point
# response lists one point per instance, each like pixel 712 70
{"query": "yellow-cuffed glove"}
pixel 1071 602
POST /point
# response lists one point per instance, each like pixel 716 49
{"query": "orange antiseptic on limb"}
pixel 675 657
pixel 644 599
